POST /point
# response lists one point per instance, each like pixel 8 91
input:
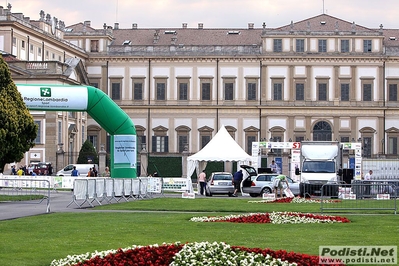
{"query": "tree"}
pixel 17 128
pixel 87 153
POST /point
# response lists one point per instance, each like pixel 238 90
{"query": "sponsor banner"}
pixel 383 196
pixel 268 196
pixel 125 150
pixel 54 98
pixel 373 255
pixel 188 195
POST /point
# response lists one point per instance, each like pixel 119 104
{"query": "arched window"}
pixel 322 131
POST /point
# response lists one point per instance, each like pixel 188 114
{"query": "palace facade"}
pixel 322 78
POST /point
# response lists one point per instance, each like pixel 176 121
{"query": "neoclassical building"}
pixel 322 78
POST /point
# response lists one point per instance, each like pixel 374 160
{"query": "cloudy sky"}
pixel 212 13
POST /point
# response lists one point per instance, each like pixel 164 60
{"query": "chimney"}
pixel 87 23
pixel 184 25
pixel 116 25
pixel 250 26
pixel 200 26
pixel 134 26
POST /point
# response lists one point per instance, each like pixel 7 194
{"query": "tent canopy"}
pixel 222 147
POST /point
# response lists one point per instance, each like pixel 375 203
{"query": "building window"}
pixel 115 90
pixel 160 144
pixel 367 46
pixel 250 139
pixel 300 91
pixel 344 46
pixel 300 45
pixel 93 140
pixel 47 54
pixel 299 138
pixel 393 92
pixel 53 56
pixel 94 46
pixel 228 85
pixel 367 146
pixel 31 48
pixel 344 139
pixel 183 89
pixel 367 91
pixel 39 131
pixel 141 138
pixel 322 131
pixel 14 41
pixel 322 91
pixel 344 91
pixel 138 88
pixel 182 137
pixel 23 44
pixel 251 90
pixel 322 46
pixel 206 89
pixel 39 51
pixel 160 86
pixel 393 145
pixel 277 89
pixel 277 45
pixel 205 136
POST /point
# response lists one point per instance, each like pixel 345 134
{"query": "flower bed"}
pixel 294 200
pixel 203 253
pixel 274 218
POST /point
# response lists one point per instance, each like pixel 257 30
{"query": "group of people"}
pixel 92 172
pixel 30 170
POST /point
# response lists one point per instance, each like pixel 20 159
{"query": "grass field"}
pixel 40 239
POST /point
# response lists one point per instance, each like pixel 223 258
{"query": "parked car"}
pixel 221 183
pixel 257 184
pixel 41 168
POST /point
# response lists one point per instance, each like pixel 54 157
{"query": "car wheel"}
pixel 254 195
pixel 266 190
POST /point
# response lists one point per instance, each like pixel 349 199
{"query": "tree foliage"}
pixel 17 128
pixel 87 152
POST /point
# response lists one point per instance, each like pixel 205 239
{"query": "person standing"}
pixel 75 172
pixel 106 173
pixel 94 171
pixel 237 178
pixel 367 182
pixel 202 182
pixel 274 167
pixel 13 171
pixel 278 184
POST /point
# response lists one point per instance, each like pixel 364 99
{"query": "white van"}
pixel 82 168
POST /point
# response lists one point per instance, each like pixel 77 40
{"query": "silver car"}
pixel 221 183
pixel 257 184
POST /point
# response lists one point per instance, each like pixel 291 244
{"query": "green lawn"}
pixel 40 239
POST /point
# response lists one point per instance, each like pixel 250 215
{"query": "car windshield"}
pixel 318 167
pixel 222 177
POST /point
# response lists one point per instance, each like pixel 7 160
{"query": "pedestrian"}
pixel 237 178
pixel 274 167
pixel 90 173
pixel 75 172
pixel 367 183
pixel 106 173
pixel 202 182
pixel 20 172
pixel 50 169
pixel 13 170
pixel 278 184
pixel 95 173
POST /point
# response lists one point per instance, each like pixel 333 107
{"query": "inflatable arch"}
pixel 101 108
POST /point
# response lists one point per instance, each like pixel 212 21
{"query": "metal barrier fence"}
pixel 30 190
pixel 99 190
pixel 360 196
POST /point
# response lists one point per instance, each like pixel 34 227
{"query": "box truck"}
pixel 320 164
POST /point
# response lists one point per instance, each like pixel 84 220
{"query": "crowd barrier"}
pixel 361 195
pixel 33 190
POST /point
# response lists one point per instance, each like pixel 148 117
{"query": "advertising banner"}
pixel 125 151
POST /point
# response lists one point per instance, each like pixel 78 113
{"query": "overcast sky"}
pixel 212 13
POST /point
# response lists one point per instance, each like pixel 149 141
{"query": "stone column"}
pixel 102 159
pixel 59 162
pixel 184 161
pixel 143 162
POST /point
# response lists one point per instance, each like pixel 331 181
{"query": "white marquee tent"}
pixel 222 147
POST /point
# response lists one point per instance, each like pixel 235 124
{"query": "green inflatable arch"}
pixel 101 108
